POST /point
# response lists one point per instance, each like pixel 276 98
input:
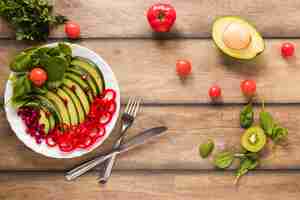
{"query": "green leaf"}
pixel 21 63
pixel 21 87
pixel 246 116
pixel 246 164
pixel 223 159
pixel 31 19
pixel 266 122
pixel 65 49
pixel 279 133
pixel 55 67
pixel 206 148
pixel 40 90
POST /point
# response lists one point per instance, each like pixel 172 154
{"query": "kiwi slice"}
pixel 254 139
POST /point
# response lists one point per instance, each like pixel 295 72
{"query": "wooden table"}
pixel 144 64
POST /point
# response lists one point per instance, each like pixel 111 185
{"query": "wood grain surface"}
pixel 152 186
pixel 126 18
pixel 144 63
pixel 151 64
pixel 178 149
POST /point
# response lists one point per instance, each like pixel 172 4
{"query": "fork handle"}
pixel 82 169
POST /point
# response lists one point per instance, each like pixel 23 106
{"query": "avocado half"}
pixel 255 47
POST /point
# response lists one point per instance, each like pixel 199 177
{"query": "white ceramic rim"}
pixel 18 126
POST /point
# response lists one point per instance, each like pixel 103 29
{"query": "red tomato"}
pixel 287 49
pixel 183 67
pixel 161 17
pixel 215 92
pixel 72 30
pixel 248 87
pixel 38 76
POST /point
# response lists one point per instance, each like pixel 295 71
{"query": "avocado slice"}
pixel 74 87
pixel 44 102
pixel 254 139
pixel 44 120
pixel 84 86
pixel 60 105
pixel 70 106
pixel 85 76
pixel 92 69
pixel 237 38
pixel 76 101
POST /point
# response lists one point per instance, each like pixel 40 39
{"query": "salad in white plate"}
pixel 63 100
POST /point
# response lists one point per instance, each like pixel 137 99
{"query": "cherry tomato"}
pixel 38 76
pixel 183 68
pixel 72 30
pixel 215 92
pixel 248 87
pixel 287 49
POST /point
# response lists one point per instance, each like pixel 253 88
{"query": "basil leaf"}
pixel 21 63
pixel 246 116
pixel 266 122
pixel 246 164
pixel 206 148
pixel 223 159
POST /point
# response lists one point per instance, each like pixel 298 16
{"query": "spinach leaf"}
pixel 21 63
pixel 65 49
pixel 223 159
pixel 246 116
pixel 266 122
pixel 21 87
pixel 206 148
pixel 279 133
pixel 246 164
pixel 55 67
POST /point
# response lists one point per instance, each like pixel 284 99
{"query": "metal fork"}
pixel 127 119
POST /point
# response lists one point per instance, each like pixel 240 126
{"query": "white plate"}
pixel 18 126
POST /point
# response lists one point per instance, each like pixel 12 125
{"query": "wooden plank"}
pixel 151 64
pixel 178 149
pixel 108 18
pixel 152 186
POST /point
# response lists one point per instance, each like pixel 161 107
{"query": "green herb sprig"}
pixel 31 19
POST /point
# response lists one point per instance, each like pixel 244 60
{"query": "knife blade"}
pixel 137 140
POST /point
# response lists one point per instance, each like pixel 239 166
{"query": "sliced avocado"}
pixel 85 76
pixel 50 117
pixel 44 121
pixel 84 86
pixel 44 102
pixel 92 70
pixel 237 38
pixel 60 105
pixel 76 101
pixel 74 87
pixel 254 139
pixel 70 106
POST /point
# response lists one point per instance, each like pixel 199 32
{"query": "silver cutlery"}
pixel 137 140
pixel 127 120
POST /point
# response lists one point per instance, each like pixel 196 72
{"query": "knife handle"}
pixel 82 169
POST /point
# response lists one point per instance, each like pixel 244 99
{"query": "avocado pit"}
pixel 236 36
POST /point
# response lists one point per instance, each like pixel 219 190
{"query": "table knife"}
pixel 138 140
